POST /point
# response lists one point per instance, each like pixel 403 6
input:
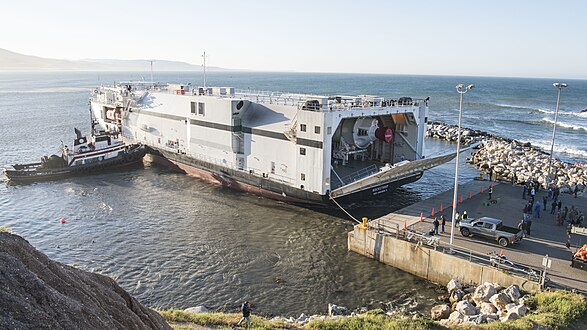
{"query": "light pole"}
pixel 559 87
pixel 461 89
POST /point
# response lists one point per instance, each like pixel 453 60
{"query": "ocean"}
pixel 174 241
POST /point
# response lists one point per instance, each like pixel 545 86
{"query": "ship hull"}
pixel 255 184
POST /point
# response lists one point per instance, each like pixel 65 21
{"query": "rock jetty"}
pixel 511 160
pixel 38 293
pixel 485 303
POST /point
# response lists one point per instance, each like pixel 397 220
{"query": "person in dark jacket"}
pixel 436 223
pixel 246 309
pixel 442 223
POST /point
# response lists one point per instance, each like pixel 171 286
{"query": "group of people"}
pixel 442 223
pixel 533 208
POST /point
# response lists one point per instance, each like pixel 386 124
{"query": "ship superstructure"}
pixel 293 147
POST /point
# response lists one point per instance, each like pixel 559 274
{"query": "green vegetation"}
pixel 549 310
pixel 181 320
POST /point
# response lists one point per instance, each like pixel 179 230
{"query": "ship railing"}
pixel 300 100
pixel 251 170
pixel 360 174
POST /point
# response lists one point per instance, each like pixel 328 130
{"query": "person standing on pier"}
pixel 442 223
pixel 436 223
pixel 490 191
pixel 522 227
pixel 537 209
pixel 524 192
pixel 553 205
pixel 544 201
pixel 528 225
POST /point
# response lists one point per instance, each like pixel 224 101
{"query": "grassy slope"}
pixel 554 310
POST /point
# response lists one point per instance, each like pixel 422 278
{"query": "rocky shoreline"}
pixel 511 160
pixel 485 303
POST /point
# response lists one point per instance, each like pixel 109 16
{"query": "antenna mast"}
pixel 204 56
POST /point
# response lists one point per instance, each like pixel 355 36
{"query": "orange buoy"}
pixel 461 200
pixel 405 225
pixel 440 211
pixel 62 220
pixel 432 213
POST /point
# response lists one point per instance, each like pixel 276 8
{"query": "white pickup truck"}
pixel 491 228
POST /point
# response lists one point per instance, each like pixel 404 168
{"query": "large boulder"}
pixel 456 295
pixel 466 308
pixel 440 312
pixel 513 291
pixel 456 317
pixel 475 319
pixel 500 300
pixel 487 308
pixel 39 293
pixel 519 309
pixel 337 310
pixel 453 285
pixel 196 310
pixel 510 317
pixel 483 292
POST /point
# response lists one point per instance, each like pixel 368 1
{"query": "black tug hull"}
pixel 34 172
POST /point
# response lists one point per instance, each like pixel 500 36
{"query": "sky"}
pixel 472 38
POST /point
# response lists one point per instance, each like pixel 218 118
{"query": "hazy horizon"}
pixel 529 39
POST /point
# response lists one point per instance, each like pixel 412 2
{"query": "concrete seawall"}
pixel 427 262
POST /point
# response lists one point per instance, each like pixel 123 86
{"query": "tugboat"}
pixel 93 153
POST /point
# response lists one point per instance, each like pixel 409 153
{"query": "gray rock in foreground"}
pixel 39 293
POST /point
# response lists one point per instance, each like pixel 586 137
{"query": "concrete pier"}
pixel 386 240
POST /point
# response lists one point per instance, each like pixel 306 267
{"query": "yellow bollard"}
pixel 365 222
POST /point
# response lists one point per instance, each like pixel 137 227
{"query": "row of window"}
pixel 303 128
pixel 200 107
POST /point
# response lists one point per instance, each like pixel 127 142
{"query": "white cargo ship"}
pixel 291 147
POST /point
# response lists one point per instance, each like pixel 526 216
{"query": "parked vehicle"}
pixel 491 228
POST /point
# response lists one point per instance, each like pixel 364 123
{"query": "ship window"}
pixel 201 108
pixel 303 151
pixel 317 129
pixel 303 177
pixel 303 127
pixel 329 130
pixel 193 107
pixel 362 132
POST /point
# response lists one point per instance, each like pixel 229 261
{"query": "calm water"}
pixel 173 241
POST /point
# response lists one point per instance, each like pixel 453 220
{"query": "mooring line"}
pixel 345 211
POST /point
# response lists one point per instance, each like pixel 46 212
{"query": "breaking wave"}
pixel 561 149
pixel 567 113
pixel 564 125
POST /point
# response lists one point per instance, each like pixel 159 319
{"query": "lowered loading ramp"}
pixel 390 174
